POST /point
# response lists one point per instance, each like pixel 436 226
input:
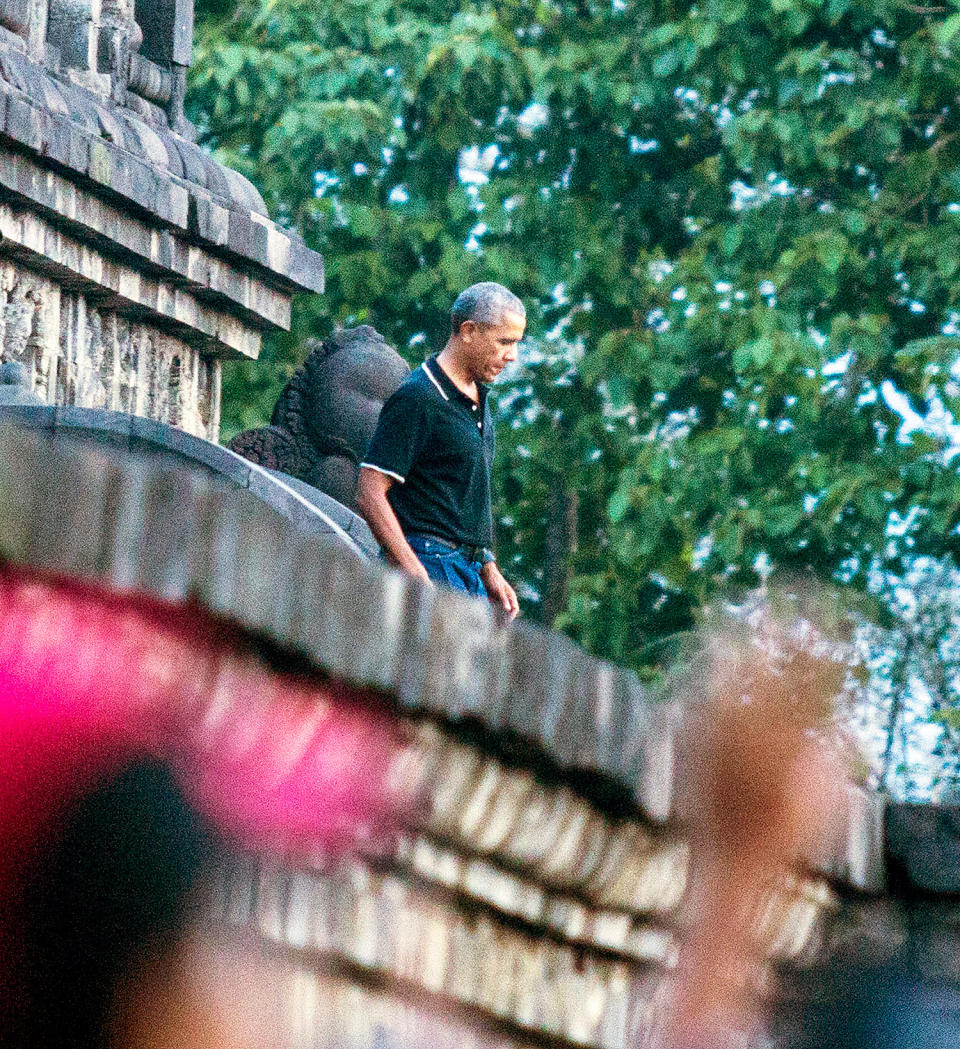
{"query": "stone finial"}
pixel 73 29
pixel 167 30
pixel 15 387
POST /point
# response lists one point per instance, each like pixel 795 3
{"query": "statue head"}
pixel 326 415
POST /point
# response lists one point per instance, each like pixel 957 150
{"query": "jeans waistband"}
pixel 471 553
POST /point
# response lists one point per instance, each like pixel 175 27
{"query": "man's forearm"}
pixel 386 529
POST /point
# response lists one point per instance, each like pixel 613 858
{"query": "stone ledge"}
pixel 167 444
pixel 923 848
pixel 127 524
pixel 387 928
pixel 158 172
pixel 164 253
pixel 46 249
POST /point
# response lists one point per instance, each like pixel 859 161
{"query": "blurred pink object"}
pixel 90 681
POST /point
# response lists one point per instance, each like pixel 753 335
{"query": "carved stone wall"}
pixel 78 353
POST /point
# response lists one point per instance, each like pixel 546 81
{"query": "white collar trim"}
pixel 433 379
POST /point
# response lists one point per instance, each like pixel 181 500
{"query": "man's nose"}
pixel 511 354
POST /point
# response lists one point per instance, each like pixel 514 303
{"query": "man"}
pixel 424 486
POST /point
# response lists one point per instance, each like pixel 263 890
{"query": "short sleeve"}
pixel 400 435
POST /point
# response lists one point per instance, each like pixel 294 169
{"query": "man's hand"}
pixel 499 590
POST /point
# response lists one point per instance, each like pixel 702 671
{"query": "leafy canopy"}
pixel 737 229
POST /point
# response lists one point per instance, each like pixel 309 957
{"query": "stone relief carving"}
pixel 15 16
pixel 23 24
pixel 74 352
pixel 325 417
pixel 135 53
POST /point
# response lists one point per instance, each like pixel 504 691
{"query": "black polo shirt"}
pixel 439 446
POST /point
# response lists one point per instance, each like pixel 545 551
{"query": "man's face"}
pixel 491 347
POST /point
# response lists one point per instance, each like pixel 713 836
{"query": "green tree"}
pixel 737 228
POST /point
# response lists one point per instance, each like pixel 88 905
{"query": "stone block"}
pixel 309 597
pixel 143 186
pixel 272 895
pixel 563 698
pixel 537 827
pixel 172 500
pixel 241 884
pixel 621 841
pixel 167 31
pixel 306 266
pixel 104 426
pixel 214 457
pixel 19 486
pixel 259 240
pixel 101 167
pixel 264 557
pixel 526 660
pixel 173 204
pixel 592 849
pixel 651 878
pixel 864 865
pixel 274 490
pixel 612 1027
pixel 278 250
pixel 923 847
pixel 475 804
pixel 505 811
pixel 594 689
pixel 351 625
pixel 650 753
pixel 124 524
pixel 17 16
pixel 568 831
pixel 416 621
pixel 240 234
pixel 618 692
pixel 28 416
pixel 71 507
pixel 210 220
pixel 62 145
pixel 24 123
pixel 454 681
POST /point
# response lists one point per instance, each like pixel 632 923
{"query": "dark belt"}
pixel 475 554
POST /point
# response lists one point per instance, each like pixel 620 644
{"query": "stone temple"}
pixel 133 263
pixel 537 897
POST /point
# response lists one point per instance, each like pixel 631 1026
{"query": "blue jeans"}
pixel 448 567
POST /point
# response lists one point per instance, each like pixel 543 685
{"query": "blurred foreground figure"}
pixel 113 956
pixel 760 790
pixel 105 910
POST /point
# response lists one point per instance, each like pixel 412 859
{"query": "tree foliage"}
pixel 737 229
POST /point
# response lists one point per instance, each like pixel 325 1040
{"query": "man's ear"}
pixel 468 329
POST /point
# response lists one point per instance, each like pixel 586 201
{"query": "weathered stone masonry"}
pixel 131 263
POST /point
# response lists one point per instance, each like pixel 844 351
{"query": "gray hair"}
pixel 484 303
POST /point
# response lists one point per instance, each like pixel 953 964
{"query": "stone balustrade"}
pixel 538 891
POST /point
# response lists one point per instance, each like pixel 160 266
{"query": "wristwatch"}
pixel 487 556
